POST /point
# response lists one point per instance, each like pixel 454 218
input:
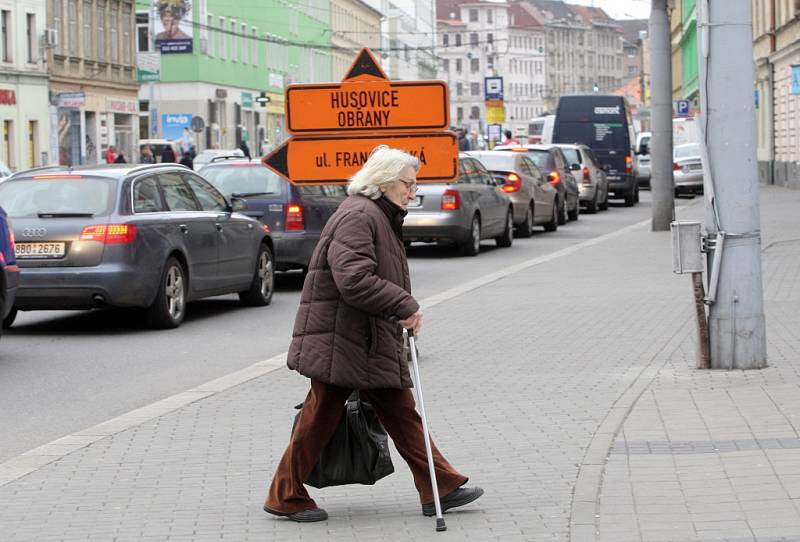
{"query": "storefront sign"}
pixel 172 125
pixel 276 80
pixel 121 105
pixel 173 26
pixel 71 99
pixel 8 97
pixel 247 99
pixel 148 67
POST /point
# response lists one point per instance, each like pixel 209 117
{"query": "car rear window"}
pixel 56 195
pixel 339 190
pixel 573 157
pixel 687 151
pixel 541 158
pixel 244 179
pixel 499 161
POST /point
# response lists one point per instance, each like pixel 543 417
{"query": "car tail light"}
pixel 513 183
pixel 629 164
pixel 11 236
pixel 294 218
pixel 676 167
pixel 586 178
pixel 554 178
pixel 451 201
pixel 110 234
pixel 56 176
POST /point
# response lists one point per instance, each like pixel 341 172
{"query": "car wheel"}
pixel 636 194
pixel 169 307
pixel 507 238
pixel 562 212
pixel 573 214
pixel 473 244
pixel 260 291
pixel 8 321
pixel 526 228
pixel 629 199
pixel 604 204
pixel 591 207
pixel 553 224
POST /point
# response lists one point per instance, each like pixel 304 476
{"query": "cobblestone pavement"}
pixel 565 389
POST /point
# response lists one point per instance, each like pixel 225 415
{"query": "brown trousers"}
pixel 318 421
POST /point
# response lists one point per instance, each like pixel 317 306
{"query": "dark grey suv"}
pixel 152 236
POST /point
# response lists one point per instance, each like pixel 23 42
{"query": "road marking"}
pixel 33 460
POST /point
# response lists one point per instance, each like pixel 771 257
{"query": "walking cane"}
pixel 412 348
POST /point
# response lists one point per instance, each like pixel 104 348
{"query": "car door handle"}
pixel 219 227
pixel 184 228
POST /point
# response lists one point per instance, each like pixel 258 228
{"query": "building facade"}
pixel 227 56
pixel 776 50
pixel 491 39
pixel 354 24
pixel 91 59
pixel 24 94
pixel 408 38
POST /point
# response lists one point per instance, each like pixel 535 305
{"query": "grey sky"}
pixel 620 9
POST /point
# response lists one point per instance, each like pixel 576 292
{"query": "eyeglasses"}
pixel 411 186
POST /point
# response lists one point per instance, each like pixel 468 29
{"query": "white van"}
pixel 540 130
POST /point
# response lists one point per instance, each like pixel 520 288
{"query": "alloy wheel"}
pixel 175 294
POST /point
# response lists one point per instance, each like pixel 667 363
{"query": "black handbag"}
pixel 358 452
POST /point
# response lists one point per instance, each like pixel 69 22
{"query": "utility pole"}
pixel 728 124
pixel 661 141
pixel 151 88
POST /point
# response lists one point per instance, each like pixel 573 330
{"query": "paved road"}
pixel 63 371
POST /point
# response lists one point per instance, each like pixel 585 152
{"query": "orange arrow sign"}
pixel 334 159
pixel 367 106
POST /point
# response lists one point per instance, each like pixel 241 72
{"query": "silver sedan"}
pixel 687 169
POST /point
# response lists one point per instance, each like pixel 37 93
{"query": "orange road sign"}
pixel 334 159
pixel 367 101
pixel 367 106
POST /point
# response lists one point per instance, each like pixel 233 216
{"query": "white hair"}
pixel 384 165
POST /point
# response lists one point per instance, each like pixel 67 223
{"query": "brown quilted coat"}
pixel 357 280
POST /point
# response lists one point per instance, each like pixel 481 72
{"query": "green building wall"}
pixel 689 49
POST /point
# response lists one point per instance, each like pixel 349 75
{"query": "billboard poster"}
pixel 174 124
pixel 173 26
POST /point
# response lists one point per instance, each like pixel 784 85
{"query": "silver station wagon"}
pixel 152 236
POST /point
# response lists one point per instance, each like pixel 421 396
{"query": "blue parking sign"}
pixel 683 108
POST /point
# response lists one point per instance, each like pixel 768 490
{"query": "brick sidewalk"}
pixel 519 377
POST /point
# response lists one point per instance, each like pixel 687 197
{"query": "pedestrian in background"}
pixel 146 156
pixel 186 160
pixel 463 142
pixel 348 334
pixel 245 149
pixel 120 159
pixel 168 155
pixel 509 139
pixel 111 155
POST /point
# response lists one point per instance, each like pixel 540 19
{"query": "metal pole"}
pixel 661 140
pixel 728 122
pixel 151 88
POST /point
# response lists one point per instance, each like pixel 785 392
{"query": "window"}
pixel 234 43
pixel 245 48
pixel 446 65
pixel 207 195
pixel 142 29
pixel 489 37
pixel 459 89
pixel 30 30
pixel 473 15
pixel 177 194
pixel 222 38
pixel 489 14
pixel 475 89
pixel 72 21
pixel 458 65
pixel 458 40
pixel 490 62
pixel 88 32
pixel 126 35
pixel 101 31
pixel 459 114
pixel 255 46
pixel 475 112
pixel 473 39
pixel 474 65
pixel 147 197
pixel 57 18
pixel 212 51
pixel 446 39
pixel 113 32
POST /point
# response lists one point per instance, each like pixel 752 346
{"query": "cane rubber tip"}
pixel 440 526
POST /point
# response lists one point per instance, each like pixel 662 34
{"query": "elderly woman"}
pixel 348 335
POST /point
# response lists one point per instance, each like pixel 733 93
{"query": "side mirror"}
pixel 575 167
pixel 238 205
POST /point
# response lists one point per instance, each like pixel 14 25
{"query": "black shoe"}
pixel 305 516
pixel 459 497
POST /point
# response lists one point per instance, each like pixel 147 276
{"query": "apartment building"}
pixel 23 85
pixel 91 59
pixel 408 38
pixel 776 51
pixel 354 24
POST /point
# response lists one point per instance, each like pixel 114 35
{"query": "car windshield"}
pixel 58 196
pixel 540 157
pixel 572 155
pixel 497 161
pixel 687 151
pixel 243 179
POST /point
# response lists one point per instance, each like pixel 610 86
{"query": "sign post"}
pixel 336 126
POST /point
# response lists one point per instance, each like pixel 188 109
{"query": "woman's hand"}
pixel 413 322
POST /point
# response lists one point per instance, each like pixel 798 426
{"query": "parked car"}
pixel 687 169
pixel 158 146
pixel 643 159
pixel 295 214
pixel 533 198
pixel 203 158
pixel 463 212
pixel 152 236
pixel 554 166
pixel 8 265
pixel 593 184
